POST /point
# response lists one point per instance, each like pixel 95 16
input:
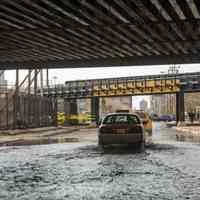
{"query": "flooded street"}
pixel 168 169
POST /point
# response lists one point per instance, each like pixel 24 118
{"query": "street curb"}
pixel 188 131
pixel 42 141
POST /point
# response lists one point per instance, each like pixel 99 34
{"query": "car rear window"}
pixel 121 119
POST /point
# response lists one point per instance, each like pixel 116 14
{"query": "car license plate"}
pixel 120 131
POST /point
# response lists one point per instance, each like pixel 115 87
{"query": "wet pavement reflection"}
pixel 167 169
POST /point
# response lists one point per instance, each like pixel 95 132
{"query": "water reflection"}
pixel 188 138
pixel 165 134
pixel 165 170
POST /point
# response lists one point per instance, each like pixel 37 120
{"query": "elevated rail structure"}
pixel 128 86
pixel 22 107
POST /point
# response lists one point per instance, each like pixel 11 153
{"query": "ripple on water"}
pixel 58 172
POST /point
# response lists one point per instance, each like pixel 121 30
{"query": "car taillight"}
pixel 137 129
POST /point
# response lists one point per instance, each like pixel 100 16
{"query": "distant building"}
pixel 166 103
pixel 84 106
pixel 107 105
pixel 155 104
pixel 111 104
pixel 144 105
pixel 192 102
pixel 163 104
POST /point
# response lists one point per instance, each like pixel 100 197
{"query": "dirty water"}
pixel 167 170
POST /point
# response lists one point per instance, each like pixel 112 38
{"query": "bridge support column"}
pixel 71 108
pixel 15 100
pixel 180 108
pixel 95 109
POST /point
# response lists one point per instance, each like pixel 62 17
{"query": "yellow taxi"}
pixel 147 122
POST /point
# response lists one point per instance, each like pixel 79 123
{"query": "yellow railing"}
pixel 79 118
pixel 139 87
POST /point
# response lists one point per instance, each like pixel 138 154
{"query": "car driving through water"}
pixel 121 128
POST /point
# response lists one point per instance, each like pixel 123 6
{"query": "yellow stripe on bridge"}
pixel 137 88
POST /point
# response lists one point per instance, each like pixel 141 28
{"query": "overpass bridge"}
pixel 84 33
pixel 46 34
pixel 127 86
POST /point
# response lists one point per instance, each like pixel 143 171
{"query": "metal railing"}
pixel 27 111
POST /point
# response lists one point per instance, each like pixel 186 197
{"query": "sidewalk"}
pixel 188 131
pixel 45 135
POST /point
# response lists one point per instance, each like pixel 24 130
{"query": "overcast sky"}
pixel 62 75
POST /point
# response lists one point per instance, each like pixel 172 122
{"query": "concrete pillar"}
pixel 73 109
pixel 55 106
pixel 70 108
pixel 47 80
pixel 95 109
pixel 35 81
pixel 180 110
pixel 16 100
pixel 41 82
pixel 29 81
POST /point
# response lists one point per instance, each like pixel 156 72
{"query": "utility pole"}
pixel 15 99
pixel 47 80
pixel 41 82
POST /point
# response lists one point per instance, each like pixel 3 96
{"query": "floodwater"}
pixel 167 169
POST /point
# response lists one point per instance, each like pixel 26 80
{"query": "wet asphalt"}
pixel 167 169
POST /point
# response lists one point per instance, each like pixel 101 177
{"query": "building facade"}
pixel 162 104
pixel 112 104
pixel 144 105
pixel 192 102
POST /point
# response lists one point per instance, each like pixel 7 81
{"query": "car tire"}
pixel 100 143
pixel 141 146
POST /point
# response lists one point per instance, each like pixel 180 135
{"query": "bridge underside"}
pixel 84 33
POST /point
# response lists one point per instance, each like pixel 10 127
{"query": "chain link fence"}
pixel 27 111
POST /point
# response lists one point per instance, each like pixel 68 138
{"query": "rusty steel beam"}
pixel 15 100
pixel 47 78
pixel 56 29
pixel 29 81
pixel 41 82
pixel 59 34
pixel 107 62
pixel 35 81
